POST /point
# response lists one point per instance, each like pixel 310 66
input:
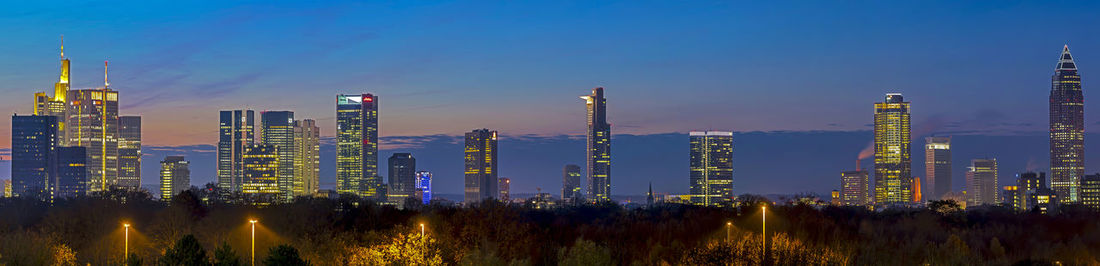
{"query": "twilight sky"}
pixel 443 68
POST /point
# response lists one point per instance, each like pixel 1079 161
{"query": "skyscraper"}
pixel 598 147
pixel 307 157
pixel 505 186
pixel 1067 127
pixel 854 188
pixel 34 159
pixel 481 165
pixel 424 186
pixel 357 145
pixel 571 183
pixel 93 124
pixel 711 168
pixel 129 151
pixel 175 177
pixel 402 175
pixel 277 129
pixel 981 182
pixel 57 106
pixel 893 165
pixel 261 173
pixel 236 132
pixel 937 166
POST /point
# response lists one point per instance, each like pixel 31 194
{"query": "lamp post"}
pixel 421 229
pixel 764 230
pixel 126 242
pixel 728 226
pixel 253 222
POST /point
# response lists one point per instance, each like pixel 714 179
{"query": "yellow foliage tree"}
pixel 404 249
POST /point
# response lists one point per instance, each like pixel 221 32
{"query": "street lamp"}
pixel 764 229
pixel 728 226
pixel 253 222
pixel 421 229
pixel 126 245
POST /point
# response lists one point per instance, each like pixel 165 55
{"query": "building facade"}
pixel 597 147
pixel 711 168
pixel 277 129
pixel 129 151
pixel 1090 191
pixel 1067 129
pixel 357 146
pixel 981 183
pixel 505 186
pixel 93 124
pixel 481 166
pixel 34 140
pixel 571 183
pixel 307 157
pixel 175 177
pixel 236 132
pixel 937 166
pixel 72 172
pixel 893 165
pixel 402 175
pixel 854 188
pixel 424 186
pixel 261 174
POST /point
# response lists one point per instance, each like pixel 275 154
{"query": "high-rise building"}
pixel 402 175
pixel 72 172
pixel 711 168
pixel 1012 196
pixel 981 182
pixel 571 183
pixel 424 186
pixel 129 151
pixel 893 165
pixel 58 105
pixel 1033 188
pixel 261 173
pixel 481 165
pixel 1067 129
pixel 277 129
pixel 937 166
pixel 598 147
pixel 505 186
pixel 236 132
pixel 357 145
pixel 854 188
pixel 175 177
pixel 93 124
pixel 1090 191
pixel 307 157
pixel 34 159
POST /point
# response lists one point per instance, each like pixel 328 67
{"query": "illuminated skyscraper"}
pixel 57 105
pixel 893 165
pixel 34 159
pixel 402 174
pixel 505 186
pixel 357 145
pixel 175 177
pixel 598 147
pixel 424 186
pixel 1067 129
pixel 854 188
pixel 981 182
pixel 93 124
pixel 307 157
pixel 236 131
pixel 481 166
pixel 711 165
pixel 277 129
pixel 571 183
pixel 129 151
pixel 937 166
pixel 261 173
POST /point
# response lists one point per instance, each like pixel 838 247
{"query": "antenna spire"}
pixel 106 84
pixel 62 45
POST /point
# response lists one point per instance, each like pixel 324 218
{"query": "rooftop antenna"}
pixel 106 84
pixel 62 45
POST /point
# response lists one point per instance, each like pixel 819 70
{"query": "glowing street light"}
pixel 421 229
pixel 764 229
pixel 253 222
pixel 126 245
pixel 729 225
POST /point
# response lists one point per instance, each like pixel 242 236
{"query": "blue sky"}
pixel 446 67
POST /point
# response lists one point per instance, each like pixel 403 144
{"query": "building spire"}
pixel 1065 62
pixel 62 46
pixel 106 84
